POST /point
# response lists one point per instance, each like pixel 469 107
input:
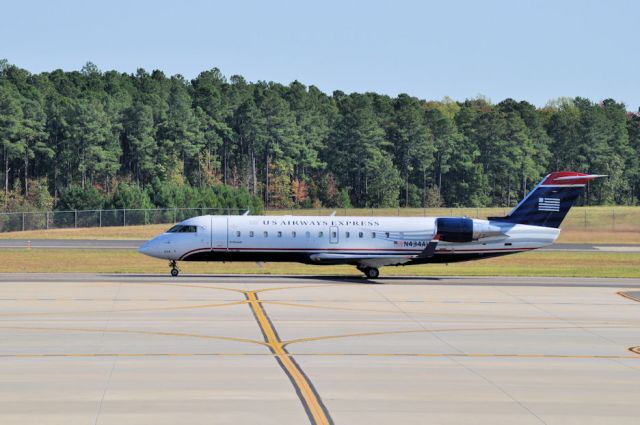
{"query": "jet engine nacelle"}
pixel 465 229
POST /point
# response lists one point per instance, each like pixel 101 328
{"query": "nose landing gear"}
pixel 174 268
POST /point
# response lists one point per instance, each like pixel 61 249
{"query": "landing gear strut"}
pixel 370 272
pixel 174 268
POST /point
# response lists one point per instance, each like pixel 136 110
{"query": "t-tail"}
pixel 549 202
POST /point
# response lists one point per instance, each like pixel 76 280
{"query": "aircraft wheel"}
pixel 174 268
pixel 372 272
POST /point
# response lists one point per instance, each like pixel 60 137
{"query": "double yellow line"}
pixel 313 405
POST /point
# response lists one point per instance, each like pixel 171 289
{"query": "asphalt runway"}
pixel 134 244
pixel 133 349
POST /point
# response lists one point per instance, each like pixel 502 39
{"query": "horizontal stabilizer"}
pixel 581 177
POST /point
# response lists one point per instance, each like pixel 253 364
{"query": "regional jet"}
pixel 369 243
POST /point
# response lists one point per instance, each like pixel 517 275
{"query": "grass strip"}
pixel 560 264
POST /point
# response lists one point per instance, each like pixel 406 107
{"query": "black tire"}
pixel 372 273
pixel 174 272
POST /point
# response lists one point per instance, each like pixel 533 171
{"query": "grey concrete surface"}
pixel 144 349
pixel 134 244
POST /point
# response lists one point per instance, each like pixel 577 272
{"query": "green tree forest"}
pixel 93 139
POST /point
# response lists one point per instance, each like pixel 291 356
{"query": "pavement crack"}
pixel 416 322
pixel 115 360
pixel 497 387
pixel 105 389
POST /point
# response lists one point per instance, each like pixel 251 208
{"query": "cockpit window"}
pixel 181 228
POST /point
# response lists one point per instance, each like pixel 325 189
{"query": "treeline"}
pixel 89 139
pixel 128 196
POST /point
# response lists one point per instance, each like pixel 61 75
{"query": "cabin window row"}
pixel 308 234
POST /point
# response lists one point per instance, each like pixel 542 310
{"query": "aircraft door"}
pixel 333 234
pixel 219 227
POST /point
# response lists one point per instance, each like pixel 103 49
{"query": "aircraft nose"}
pixel 151 248
pixel 156 247
pixel 145 248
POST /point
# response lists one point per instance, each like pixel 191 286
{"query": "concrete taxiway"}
pixel 122 349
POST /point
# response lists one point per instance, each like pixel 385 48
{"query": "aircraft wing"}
pixel 430 250
pixel 365 260
pixel 375 260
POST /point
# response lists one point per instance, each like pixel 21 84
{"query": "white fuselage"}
pixel 362 241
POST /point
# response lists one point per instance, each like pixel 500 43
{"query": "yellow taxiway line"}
pixel 131 310
pixel 316 410
pixel 138 332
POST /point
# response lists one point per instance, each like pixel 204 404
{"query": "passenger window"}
pixel 360 234
pixel 251 234
pixel 320 234
pixel 307 234
pixel 237 234
pixel 266 234
pixel 345 233
pixel 386 234
pixel 279 234
pixel 293 234
pixel 373 235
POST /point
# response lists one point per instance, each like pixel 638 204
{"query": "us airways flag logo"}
pixel 549 204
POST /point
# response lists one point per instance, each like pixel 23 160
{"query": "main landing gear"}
pixel 174 268
pixel 370 272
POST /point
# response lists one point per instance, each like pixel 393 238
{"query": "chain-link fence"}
pixel 619 219
pixel 20 221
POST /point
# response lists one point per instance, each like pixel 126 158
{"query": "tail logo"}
pixel 549 204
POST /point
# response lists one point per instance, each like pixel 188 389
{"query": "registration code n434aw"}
pixel 412 244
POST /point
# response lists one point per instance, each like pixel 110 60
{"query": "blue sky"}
pixel 527 50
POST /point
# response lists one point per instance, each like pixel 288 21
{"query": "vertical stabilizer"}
pixel 549 202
